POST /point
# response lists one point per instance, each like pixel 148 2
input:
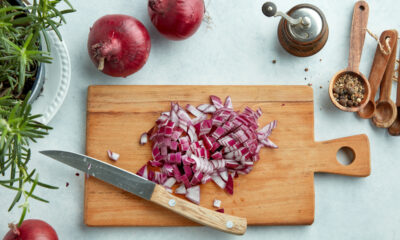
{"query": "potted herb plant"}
pixel 22 26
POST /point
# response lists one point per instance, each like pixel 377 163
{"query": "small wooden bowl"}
pixel 365 83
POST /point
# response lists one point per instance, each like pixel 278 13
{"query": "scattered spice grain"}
pixel 305 69
pixel 274 61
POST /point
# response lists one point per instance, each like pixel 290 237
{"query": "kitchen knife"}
pixel 150 191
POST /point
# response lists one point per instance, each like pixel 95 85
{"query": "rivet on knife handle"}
pixel 201 215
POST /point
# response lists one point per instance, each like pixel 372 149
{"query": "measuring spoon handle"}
pixel 357 34
pixel 398 89
pixel 380 63
pixel 386 85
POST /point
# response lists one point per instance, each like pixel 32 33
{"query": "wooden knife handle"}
pixel 357 34
pixel 201 215
pixel 326 161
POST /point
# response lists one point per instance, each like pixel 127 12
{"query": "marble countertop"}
pixel 236 47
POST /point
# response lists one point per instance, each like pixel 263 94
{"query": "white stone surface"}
pixel 237 49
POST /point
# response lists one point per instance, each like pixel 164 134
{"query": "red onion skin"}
pixel 122 41
pixel 32 229
pixel 176 19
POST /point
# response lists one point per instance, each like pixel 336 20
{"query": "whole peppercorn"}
pixel 348 90
pixel 336 89
pixel 349 103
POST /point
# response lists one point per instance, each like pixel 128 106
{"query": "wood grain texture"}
pixel 378 68
pixel 279 190
pixel 357 37
pixel 394 130
pixel 386 110
pixel 199 214
pixel 357 34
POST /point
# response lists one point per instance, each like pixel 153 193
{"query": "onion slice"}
pixel 143 139
pixel 217 203
pixel 112 155
pixel 193 194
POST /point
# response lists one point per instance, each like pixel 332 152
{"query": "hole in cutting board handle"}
pixel 345 156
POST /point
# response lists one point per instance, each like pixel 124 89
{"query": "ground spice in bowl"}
pixel 349 91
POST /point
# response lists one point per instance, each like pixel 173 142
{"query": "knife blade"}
pixel 150 191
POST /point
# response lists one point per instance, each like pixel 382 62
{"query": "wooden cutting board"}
pixel 279 190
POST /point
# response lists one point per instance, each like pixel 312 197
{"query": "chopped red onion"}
pixel 217 203
pixel 168 169
pixel 112 155
pixel 156 163
pixel 143 171
pixel 143 139
pixel 169 182
pixel 224 175
pixel 206 179
pixel 185 181
pixel 220 210
pixel 192 151
pixel 229 185
pixel 218 180
pixel 181 189
pixel 194 111
pixel 216 101
pixel 228 102
pixel 151 175
pixel 193 194
pixel 207 108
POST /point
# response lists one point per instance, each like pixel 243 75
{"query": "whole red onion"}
pixel 118 44
pixel 176 19
pixel 32 229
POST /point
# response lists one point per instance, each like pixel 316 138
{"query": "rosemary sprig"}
pixel 18 127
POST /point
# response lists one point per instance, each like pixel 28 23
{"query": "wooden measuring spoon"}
pixel 386 110
pixel 378 68
pixel 357 37
pixel 394 130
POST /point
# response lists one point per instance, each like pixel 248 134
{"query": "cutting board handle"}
pixel 326 161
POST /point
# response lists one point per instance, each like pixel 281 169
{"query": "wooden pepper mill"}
pixel 303 31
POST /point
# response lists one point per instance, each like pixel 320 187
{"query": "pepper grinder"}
pixel 303 31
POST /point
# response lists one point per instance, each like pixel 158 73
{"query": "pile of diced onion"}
pixel 189 151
